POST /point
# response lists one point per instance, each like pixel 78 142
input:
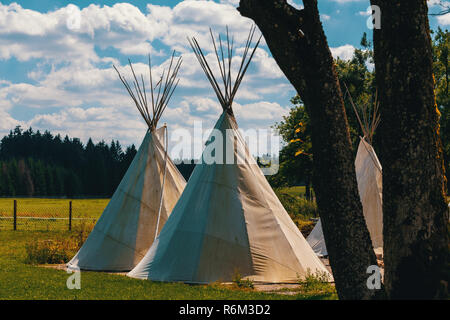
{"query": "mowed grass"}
pixel 22 281
pixel 49 214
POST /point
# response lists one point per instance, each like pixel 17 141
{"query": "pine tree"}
pixel 49 181
pixel 39 178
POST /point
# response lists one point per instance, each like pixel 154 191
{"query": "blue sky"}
pixel 56 73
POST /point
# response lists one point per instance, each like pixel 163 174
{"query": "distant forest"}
pixel 43 165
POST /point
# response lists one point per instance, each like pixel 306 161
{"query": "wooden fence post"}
pixel 70 215
pixel 15 215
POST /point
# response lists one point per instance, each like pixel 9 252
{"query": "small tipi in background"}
pixel 147 193
pixel 228 220
pixel 370 186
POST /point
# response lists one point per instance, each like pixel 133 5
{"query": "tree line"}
pixel 41 164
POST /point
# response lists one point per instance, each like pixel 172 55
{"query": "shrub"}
pixel 299 209
pixel 317 282
pixel 59 250
pixel 81 234
pixel 295 205
pixel 50 251
pixel 307 208
pixel 242 283
pixel 305 226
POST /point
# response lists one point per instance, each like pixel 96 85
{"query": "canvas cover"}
pixel 227 221
pixel 317 241
pixel 126 229
pixel 370 188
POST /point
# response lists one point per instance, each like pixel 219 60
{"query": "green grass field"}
pixel 22 281
pixel 19 280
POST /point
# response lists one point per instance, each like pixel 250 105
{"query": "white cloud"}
pixel 434 2
pixel 438 6
pixel 444 19
pixel 74 76
pixel 260 113
pixel 204 105
pixel 7 122
pixel 48 36
pixel 106 123
pixel 343 52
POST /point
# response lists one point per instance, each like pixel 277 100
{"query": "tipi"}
pixel 228 220
pixel 370 186
pixel 147 193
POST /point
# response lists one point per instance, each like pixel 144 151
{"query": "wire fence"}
pixel 49 214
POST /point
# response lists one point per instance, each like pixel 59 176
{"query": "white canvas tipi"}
pixel 228 220
pixel 370 187
pixel 144 198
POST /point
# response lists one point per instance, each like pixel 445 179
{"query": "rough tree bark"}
pixel 414 205
pixel 299 46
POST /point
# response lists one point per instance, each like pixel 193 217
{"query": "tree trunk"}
pixel 308 188
pixel 298 44
pixel 414 204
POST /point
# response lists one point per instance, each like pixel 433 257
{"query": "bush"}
pixel 59 250
pixel 299 209
pixel 316 282
pixel 307 208
pixel 242 283
pixel 296 205
pixel 50 251
pixel 305 226
pixel 82 233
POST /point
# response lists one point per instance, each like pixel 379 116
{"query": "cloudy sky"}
pixel 56 70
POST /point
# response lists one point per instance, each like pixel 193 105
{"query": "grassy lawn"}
pixel 22 281
pixel 19 280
